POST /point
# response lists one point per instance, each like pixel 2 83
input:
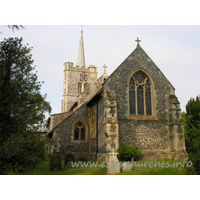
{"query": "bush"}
pixel 191 122
pixel 55 162
pixel 82 158
pixel 128 152
pixel 69 157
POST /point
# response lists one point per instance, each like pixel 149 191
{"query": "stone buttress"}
pixel 111 121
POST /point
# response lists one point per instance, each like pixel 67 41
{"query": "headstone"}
pixel 126 167
pixel 55 162
pixel 68 165
pixel 68 158
pixel 113 165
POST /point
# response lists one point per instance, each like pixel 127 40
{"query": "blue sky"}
pixel 174 49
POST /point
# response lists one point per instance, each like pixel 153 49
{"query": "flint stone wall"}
pixel 148 135
pixel 63 134
pixel 148 132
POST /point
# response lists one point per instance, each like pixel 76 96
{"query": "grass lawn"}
pixel 43 169
pixel 168 169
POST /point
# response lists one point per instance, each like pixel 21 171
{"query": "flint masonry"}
pixel 136 104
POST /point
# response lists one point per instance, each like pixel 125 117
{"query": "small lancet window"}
pixel 85 85
pixel 79 88
pixel 140 94
pixel 79 131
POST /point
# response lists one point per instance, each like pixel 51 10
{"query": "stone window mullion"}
pixel 136 103
pixel 144 88
pixel 79 132
pixel 142 100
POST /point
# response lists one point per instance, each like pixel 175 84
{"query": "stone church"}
pixel 136 104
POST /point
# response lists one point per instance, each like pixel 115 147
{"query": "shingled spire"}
pixel 81 56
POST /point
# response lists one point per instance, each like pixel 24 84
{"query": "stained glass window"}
pixel 139 77
pixel 140 94
pixel 76 135
pixel 79 131
pixel 82 133
pixel 132 101
pixel 148 101
pixel 140 100
pixel 148 98
pixel 80 124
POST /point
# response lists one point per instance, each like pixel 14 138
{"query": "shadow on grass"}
pixel 43 169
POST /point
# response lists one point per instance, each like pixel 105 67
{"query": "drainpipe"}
pixel 96 132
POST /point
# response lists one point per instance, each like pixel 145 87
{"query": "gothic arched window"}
pixel 79 88
pixel 140 94
pixel 85 85
pixel 79 131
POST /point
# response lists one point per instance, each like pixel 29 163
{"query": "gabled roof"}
pixel 132 54
pixel 96 97
pixel 88 103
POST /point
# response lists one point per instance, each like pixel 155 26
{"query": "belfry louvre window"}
pixel 79 131
pixel 140 94
pixel 79 88
pixel 85 85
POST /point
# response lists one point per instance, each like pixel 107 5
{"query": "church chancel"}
pixel 136 104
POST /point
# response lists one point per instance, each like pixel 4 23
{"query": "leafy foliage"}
pixel 83 158
pixel 17 27
pixel 128 152
pixel 14 27
pixel 22 108
pixel 191 122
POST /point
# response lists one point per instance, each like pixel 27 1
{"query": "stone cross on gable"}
pixel 138 40
pixel 105 68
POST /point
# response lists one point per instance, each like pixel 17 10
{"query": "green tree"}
pixel 22 108
pixel 15 27
pixel 191 122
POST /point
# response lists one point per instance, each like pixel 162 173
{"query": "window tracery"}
pixel 79 131
pixel 140 94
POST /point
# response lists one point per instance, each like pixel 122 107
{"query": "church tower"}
pixel 77 79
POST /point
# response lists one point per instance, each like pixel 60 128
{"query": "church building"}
pixel 136 104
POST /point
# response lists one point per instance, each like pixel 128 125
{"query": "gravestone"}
pixel 126 167
pixel 113 163
pixel 68 158
pixel 55 162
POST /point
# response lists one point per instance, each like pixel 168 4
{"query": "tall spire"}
pixel 81 56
